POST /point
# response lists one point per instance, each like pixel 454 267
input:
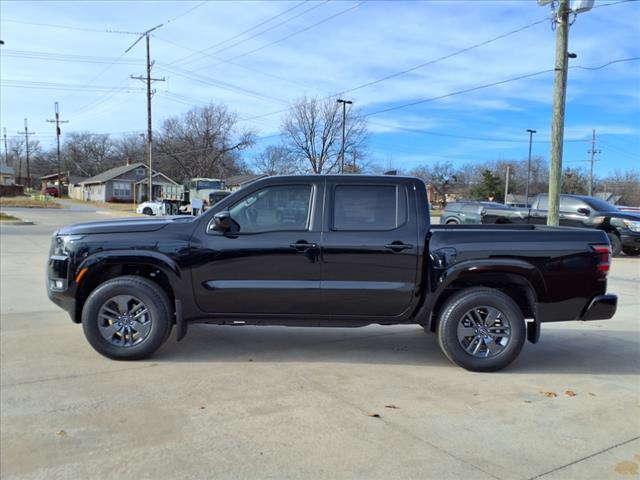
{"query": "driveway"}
pixel 276 402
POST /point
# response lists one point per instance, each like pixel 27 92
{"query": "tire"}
pixel 616 244
pixel 130 339
pixel 473 352
pixel 147 211
pixel 453 222
pixel 631 251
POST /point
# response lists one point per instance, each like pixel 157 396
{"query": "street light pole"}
pixel 344 123
pixel 526 191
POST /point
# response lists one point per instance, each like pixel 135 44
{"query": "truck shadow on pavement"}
pixel 597 351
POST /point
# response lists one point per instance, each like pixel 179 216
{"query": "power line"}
pixel 420 65
pixel 492 84
pixel 29 54
pixel 465 137
pixel 185 13
pixel 65 27
pixel 222 85
pixel 186 60
pixel 286 37
pixel 619 150
pixel 61 86
pixel 445 57
pixel 246 67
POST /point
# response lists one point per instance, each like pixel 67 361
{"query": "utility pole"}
pixel 506 186
pixel 344 123
pixel 593 153
pixel 557 119
pixel 526 191
pixel 57 121
pixel 6 154
pixel 148 79
pixel 26 141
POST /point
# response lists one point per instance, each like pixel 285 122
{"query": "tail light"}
pixel 604 257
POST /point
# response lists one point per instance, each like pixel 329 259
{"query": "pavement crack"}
pixel 595 454
pixel 80 375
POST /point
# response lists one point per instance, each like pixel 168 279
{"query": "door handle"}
pixel 398 246
pixel 303 246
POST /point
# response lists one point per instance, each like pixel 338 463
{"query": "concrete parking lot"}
pixel 275 402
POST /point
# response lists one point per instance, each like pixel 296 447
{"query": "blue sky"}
pixel 260 56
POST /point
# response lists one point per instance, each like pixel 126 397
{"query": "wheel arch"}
pixel 521 281
pixel 106 266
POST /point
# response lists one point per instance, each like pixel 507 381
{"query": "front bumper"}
pixel 601 307
pixel 59 289
pixel 630 239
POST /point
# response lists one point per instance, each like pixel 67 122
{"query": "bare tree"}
pixel 130 147
pixel 442 176
pixel 88 154
pixel 204 142
pixel 623 183
pixel 312 131
pixel 277 160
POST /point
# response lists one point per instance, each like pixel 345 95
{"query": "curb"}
pixel 16 222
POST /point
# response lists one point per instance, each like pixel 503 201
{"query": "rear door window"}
pixel 369 207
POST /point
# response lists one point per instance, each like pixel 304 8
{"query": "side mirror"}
pixel 584 211
pixel 222 222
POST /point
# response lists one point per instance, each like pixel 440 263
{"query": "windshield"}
pixel 209 185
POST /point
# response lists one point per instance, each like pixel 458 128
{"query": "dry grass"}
pixel 122 207
pixel 6 217
pixel 29 202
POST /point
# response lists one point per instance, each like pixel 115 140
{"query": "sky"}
pixel 418 71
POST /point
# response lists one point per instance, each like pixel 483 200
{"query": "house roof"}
pixel 157 174
pixel 72 179
pixel 242 179
pixel 112 173
pixel 7 170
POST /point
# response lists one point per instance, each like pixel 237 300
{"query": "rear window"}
pixel 369 207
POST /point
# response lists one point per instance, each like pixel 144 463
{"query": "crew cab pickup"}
pixel 332 251
pixel 623 228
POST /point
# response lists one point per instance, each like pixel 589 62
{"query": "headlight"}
pixel 632 225
pixel 60 243
pixel 598 220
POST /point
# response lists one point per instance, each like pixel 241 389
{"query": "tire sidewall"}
pixel 154 299
pixel 452 315
pixel 616 244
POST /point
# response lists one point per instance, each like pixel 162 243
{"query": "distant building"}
pixel 120 184
pixel 67 181
pixel 7 175
pixel 237 182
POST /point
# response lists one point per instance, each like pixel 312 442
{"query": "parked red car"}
pixel 51 191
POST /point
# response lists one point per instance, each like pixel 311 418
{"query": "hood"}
pixel 624 215
pixel 124 225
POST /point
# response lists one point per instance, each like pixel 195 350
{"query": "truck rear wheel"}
pixel 127 318
pixel 481 329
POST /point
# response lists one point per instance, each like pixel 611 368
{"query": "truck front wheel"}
pixel 127 318
pixel 481 329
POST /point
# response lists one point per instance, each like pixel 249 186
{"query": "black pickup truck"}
pixel 623 228
pixel 335 251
